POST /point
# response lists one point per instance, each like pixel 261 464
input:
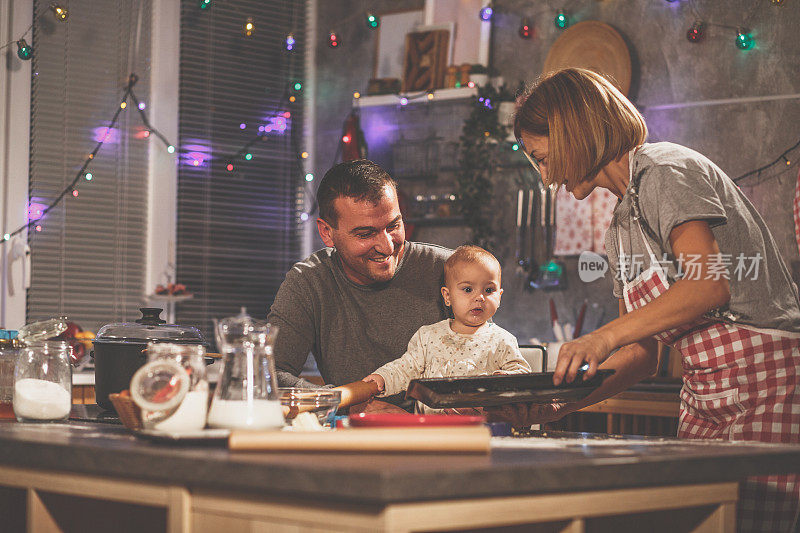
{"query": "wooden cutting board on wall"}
pixel 425 60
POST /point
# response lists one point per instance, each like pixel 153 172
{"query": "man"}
pixel 356 303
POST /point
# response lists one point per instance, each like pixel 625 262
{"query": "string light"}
pixel 205 4
pixel 171 149
pixel 59 12
pixel 403 101
pixel 249 27
pixel 229 167
pixel 562 20
pixel 290 42
pixel 333 40
pixel 24 50
pixel 248 156
pixel 525 29
pixel 75 193
pixel 38 228
pixel 304 155
pixel 430 95
pixel 6 237
pixel 696 32
pixel 88 176
pixel 309 177
pixel 141 106
pixel 356 95
pixel 123 105
pixel 486 14
pixel 744 40
pixel 373 21
pixel 346 139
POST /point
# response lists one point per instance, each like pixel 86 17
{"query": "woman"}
pixel 695 268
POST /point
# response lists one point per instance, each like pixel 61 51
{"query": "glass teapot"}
pixel 246 396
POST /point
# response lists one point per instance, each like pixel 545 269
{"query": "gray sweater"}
pixel 353 329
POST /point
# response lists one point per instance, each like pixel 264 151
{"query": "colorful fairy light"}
pixel 59 12
pixel 744 40
pixel 309 177
pixel 486 14
pixel 249 27
pixel 696 32
pixel 562 20
pixel 333 40
pixel 373 21
pixel 290 42
pixel 525 30
pixel 205 4
pixel 24 50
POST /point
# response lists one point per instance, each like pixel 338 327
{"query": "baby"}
pixel 466 345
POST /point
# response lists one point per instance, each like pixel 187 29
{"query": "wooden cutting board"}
pixel 467 439
pixel 596 46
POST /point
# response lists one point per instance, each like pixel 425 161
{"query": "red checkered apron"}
pixel 739 383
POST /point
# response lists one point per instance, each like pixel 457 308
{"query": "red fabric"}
pixel 797 212
pixel 739 383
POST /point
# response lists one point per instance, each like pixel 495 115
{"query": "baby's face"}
pixel 473 291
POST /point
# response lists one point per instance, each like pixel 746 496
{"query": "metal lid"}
pixel 42 330
pixel 149 328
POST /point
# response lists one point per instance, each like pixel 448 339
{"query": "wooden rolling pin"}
pixel 357 392
pixel 467 439
pixel 352 394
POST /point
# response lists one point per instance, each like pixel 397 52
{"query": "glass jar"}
pixel 172 389
pixel 43 382
pixel 9 348
pixel 246 396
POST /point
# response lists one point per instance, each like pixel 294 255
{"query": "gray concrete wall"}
pixel 667 69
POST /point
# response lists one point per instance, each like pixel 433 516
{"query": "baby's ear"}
pixel 446 296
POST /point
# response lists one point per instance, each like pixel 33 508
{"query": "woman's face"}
pixel 537 149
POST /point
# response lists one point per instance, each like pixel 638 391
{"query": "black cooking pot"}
pixel 120 349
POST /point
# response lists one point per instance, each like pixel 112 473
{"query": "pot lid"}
pixel 149 328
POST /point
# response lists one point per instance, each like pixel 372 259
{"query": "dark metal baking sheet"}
pixel 487 391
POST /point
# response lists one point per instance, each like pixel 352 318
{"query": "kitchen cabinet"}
pixel 79 476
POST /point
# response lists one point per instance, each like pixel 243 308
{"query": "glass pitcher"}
pixel 246 396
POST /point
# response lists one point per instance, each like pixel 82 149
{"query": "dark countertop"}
pixel 578 463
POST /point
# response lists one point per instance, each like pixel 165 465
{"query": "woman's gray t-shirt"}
pixel 677 185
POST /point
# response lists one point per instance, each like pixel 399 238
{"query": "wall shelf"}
pixel 436 221
pixel 415 98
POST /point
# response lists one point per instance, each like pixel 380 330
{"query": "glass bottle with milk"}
pixel 246 396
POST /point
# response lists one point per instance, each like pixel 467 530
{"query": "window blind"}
pixel 87 262
pixel 238 230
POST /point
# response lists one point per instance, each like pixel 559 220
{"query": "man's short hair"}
pixel 360 179
pixel 469 253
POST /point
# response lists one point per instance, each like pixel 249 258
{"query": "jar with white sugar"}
pixel 43 382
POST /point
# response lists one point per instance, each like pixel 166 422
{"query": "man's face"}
pixel 369 238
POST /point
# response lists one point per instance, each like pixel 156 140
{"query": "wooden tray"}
pixel 487 391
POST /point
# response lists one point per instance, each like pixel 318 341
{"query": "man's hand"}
pixel 524 415
pixel 592 348
pixel 376 406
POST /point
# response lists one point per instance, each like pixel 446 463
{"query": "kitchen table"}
pixel 72 476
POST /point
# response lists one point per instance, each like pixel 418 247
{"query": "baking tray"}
pixel 487 391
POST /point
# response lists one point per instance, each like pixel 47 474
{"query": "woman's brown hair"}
pixel 587 121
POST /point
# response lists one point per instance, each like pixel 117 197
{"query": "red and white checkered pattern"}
pixel 739 383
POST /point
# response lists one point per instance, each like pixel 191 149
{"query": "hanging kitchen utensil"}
pixel 520 270
pixel 551 274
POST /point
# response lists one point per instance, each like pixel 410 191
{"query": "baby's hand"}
pixel 376 379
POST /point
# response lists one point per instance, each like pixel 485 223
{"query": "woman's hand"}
pixel 593 348
pixel 523 415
